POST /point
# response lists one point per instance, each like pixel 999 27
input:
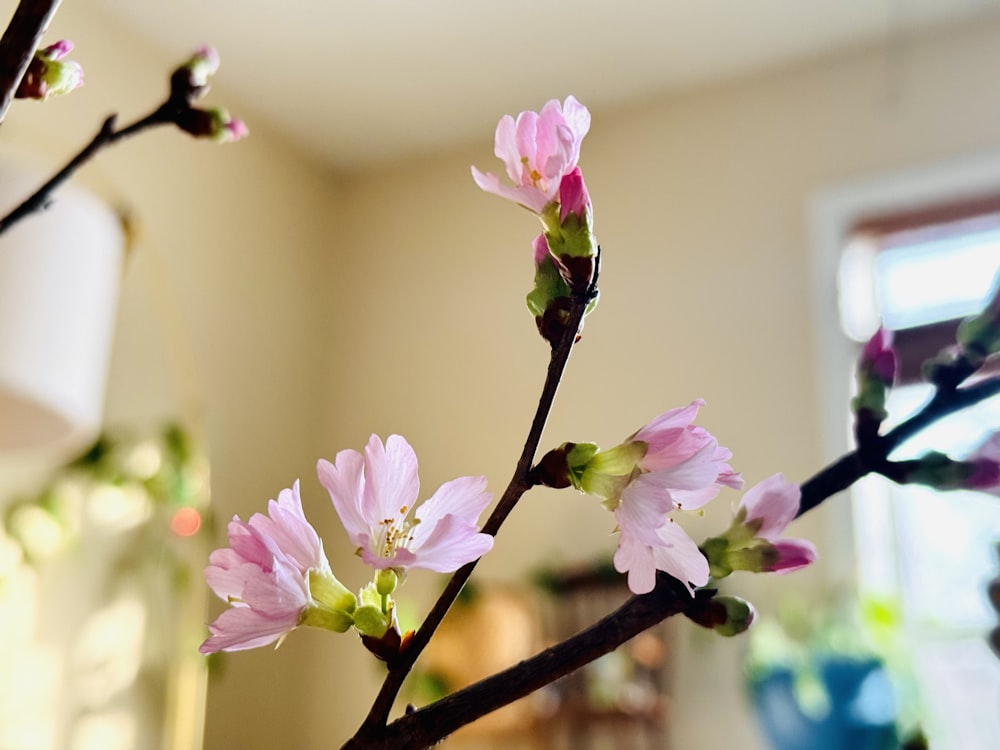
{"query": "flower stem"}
pixel 520 483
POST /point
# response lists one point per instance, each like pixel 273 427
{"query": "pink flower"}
pixel 276 577
pixel 538 151
pixel 668 465
pixel 374 494
pixel 764 512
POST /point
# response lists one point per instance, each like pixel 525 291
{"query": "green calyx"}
pixel 572 237
pixel 330 593
pixel 549 286
pixel 872 392
pixel 333 605
pixel 716 551
pixel 338 621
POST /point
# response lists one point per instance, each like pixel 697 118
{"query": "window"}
pixel 920 273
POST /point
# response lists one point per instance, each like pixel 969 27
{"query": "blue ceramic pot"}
pixel 861 714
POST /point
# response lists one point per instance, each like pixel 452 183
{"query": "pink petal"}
pixel 697 472
pixel 774 503
pixel 401 558
pixel 344 481
pixel 505 147
pixel 680 417
pixel 636 559
pixel 391 481
pixel 679 556
pixel 451 543
pixel 465 497
pixel 793 554
pixel 527 196
pixel 644 507
pixel 238 629
pixel 286 532
pixel 245 543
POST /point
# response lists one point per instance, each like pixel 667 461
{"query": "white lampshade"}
pixel 60 271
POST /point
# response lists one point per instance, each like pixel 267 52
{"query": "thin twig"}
pixel 519 484
pixel 106 136
pixel 17 47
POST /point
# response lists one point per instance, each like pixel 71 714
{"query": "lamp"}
pixel 59 278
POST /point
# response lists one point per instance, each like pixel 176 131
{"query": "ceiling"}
pixel 359 83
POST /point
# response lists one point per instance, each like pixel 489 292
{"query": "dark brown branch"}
pixel 841 474
pixel 18 44
pixel 431 724
pixel 519 484
pixel 106 136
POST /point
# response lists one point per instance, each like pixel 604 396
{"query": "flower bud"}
pixel 212 123
pixel 386 581
pixel 979 336
pixel 371 621
pixel 49 75
pixel 935 469
pixel 876 373
pixel 190 81
pixel 726 615
pixel 569 231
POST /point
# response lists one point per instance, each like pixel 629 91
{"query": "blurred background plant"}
pixel 100 602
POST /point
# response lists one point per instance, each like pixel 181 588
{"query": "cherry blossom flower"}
pixel 374 494
pixel 538 149
pixel 753 541
pixel 668 465
pixel 276 577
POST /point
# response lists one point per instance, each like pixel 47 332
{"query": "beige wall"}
pixel 701 205
pixel 232 270
pixel 320 311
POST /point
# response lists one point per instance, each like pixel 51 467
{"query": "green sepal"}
pixel 549 286
pixel 330 593
pixel 716 551
pixel 336 620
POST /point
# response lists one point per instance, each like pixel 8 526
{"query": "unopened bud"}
pixel 212 123
pixel 726 615
pixel 371 621
pixel 48 74
pixel 876 372
pixel 570 232
pixel 935 469
pixel 386 581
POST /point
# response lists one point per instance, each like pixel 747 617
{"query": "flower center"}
pixel 394 533
pixel 534 174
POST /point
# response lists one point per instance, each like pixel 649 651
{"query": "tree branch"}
pixel 106 136
pixel 848 469
pixel 436 721
pixel 18 44
pixel 520 483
